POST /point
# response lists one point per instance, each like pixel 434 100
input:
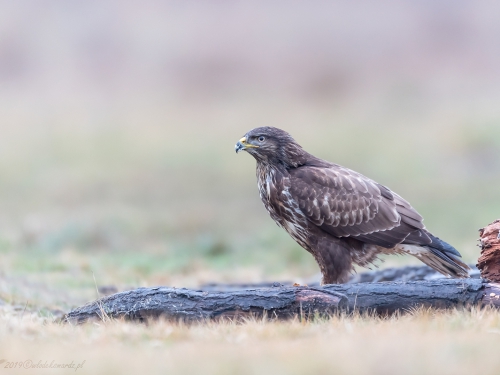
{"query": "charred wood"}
pixel 281 302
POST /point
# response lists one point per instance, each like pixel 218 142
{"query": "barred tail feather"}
pixel 443 262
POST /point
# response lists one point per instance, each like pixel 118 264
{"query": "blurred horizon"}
pixel 118 121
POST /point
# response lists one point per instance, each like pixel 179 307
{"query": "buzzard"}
pixel 338 215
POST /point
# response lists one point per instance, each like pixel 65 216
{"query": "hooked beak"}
pixel 242 145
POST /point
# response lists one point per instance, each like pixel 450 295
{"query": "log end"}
pixel 489 261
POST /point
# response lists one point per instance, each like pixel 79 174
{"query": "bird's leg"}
pixel 334 260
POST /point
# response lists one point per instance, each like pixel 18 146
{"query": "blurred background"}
pixel 118 121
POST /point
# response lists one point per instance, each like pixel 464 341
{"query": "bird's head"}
pixel 272 146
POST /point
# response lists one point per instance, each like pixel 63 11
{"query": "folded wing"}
pixel 345 203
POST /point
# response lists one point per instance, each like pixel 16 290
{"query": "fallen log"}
pixel 285 302
pixel 281 302
pixel 190 305
pixel 388 298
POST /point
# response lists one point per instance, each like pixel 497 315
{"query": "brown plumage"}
pixel 340 216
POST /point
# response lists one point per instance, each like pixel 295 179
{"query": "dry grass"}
pixel 424 342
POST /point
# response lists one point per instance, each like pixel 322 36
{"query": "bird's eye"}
pixel 262 139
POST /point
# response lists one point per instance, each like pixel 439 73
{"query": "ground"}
pixel 421 342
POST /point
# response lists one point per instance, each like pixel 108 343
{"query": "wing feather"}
pixel 345 203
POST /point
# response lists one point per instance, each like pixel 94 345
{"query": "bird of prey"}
pixel 338 215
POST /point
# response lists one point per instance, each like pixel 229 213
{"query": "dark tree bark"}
pixel 285 302
pixel 390 297
pixel 190 305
